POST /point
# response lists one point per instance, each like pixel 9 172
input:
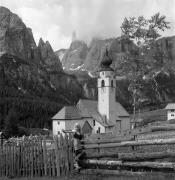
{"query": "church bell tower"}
pixel 106 89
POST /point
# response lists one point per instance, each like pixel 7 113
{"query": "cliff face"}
pixel 93 54
pixel 60 53
pixel 74 57
pixel 48 57
pixel 31 76
pixel 15 37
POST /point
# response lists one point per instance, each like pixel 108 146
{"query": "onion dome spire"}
pixel 106 62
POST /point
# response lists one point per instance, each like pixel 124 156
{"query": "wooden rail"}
pixel 127 154
pixel 125 165
pixel 131 143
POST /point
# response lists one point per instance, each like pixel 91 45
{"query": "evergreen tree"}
pixel 11 123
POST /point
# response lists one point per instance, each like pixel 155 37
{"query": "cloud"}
pixel 55 20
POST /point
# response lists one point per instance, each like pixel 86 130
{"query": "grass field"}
pixel 95 176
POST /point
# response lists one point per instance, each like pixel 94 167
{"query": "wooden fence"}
pixel 130 152
pixel 36 156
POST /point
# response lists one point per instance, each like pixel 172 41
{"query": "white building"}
pixel 104 115
pixel 170 111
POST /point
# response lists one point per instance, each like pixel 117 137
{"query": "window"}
pixel 58 122
pixel 32 53
pixel 58 132
pixel 112 83
pixel 98 129
pixel 172 110
pixel 102 83
pixel 93 122
pixel 172 114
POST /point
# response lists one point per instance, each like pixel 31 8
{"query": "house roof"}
pixel 67 113
pixel 170 106
pixel 120 110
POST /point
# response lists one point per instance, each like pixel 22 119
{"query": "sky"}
pixel 56 20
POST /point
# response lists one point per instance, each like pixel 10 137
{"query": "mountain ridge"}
pixel 32 80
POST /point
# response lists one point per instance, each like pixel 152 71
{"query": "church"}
pixel 102 116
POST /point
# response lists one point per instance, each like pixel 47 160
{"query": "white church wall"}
pixel 57 126
pixel 106 98
pixel 98 126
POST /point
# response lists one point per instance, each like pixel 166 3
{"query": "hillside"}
pixel 32 80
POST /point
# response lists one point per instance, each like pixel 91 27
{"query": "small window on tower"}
pixel 112 85
pixel 102 83
pixel 93 122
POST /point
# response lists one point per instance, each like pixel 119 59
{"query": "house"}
pixel 104 115
pixel 67 117
pixel 170 111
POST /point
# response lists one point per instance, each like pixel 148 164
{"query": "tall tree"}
pixel 143 33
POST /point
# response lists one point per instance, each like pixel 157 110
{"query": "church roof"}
pixel 120 110
pixel 88 109
pixel 68 112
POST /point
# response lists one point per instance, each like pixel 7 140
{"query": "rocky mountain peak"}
pixel 15 37
pixel 48 57
pixel 9 19
pixel 75 56
pixel 41 43
pixel 77 44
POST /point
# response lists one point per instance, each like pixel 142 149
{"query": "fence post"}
pixel 57 153
pixel 71 159
pixel 45 156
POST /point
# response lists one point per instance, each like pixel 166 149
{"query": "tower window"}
pixel 102 83
pixel 98 130
pixel 93 122
pixel 112 83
